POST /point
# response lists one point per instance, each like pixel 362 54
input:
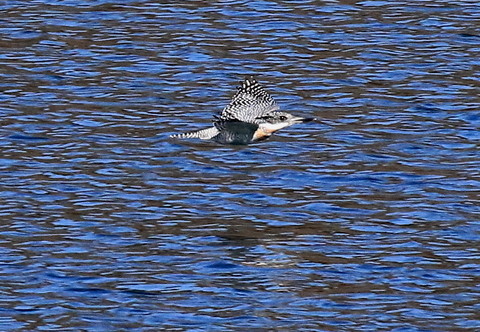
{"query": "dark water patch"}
pixel 27 138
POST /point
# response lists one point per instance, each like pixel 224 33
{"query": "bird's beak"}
pixel 299 119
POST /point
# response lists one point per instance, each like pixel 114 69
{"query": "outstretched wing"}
pixel 250 102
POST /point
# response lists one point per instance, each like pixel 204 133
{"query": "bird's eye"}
pixel 283 118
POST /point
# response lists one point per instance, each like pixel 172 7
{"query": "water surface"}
pixel 365 220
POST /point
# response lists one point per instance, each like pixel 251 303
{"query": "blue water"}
pixel 368 219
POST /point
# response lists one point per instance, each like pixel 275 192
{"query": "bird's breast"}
pixel 261 134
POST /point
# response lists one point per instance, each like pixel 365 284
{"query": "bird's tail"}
pixel 207 133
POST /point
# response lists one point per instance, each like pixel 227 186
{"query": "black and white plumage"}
pixel 249 103
pixel 251 115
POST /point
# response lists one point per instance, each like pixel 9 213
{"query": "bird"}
pixel 252 115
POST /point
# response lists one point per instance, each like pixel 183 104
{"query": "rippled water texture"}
pixel 366 220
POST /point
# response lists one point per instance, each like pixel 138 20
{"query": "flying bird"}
pixel 252 115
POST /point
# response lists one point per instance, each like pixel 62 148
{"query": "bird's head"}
pixel 277 120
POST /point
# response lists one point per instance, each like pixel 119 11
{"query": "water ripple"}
pixel 366 219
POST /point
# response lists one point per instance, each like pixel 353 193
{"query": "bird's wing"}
pixel 235 131
pixel 249 103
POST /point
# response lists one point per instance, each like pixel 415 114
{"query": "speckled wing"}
pixel 250 102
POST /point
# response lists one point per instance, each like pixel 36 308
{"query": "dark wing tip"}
pixel 247 81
